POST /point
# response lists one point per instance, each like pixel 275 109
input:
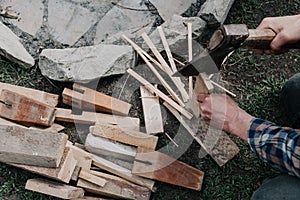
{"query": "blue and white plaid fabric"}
pixel 275 145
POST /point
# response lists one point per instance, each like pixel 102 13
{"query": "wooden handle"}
pixel 261 39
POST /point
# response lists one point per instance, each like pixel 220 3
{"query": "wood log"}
pixel 41 96
pixel 152 112
pixel 126 136
pixel 54 189
pixel 161 167
pixel 31 147
pixel 65 115
pixel 62 173
pixel 116 188
pixel 86 98
pixel 20 108
pixel 106 147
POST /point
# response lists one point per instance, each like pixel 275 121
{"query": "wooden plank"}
pixel 158 166
pixel 125 136
pixel 215 142
pixel 106 147
pixel 54 189
pixel 62 173
pixel 164 65
pixel 65 115
pixel 151 88
pixel 31 147
pixel 156 73
pixel 116 169
pixel 152 112
pixel 20 108
pixel 87 176
pixel 116 188
pixel 41 96
pixel 190 52
pixel 86 98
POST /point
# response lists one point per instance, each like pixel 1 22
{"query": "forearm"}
pixel 275 145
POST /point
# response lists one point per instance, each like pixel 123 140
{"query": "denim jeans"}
pixel 284 186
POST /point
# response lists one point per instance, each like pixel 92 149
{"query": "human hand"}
pixel 222 112
pixel 287 31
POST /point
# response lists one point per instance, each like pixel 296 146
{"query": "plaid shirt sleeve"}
pixel 275 145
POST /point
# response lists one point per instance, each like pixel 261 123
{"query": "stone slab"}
pixel 168 8
pixel 120 21
pixel 219 8
pixel 86 63
pixel 68 21
pixel 30 14
pixel 12 49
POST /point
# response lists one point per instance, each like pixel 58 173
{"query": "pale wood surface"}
pixel 61 173
pixel 117 187
pixel 125 136
pixel 65 115
pixel 86 98
pixel 31 147
pixel 151 88
pixel 54 189
pixel 158 166
pixel 87 176
pixel 47 98
pixel 23 109
pixel 152 112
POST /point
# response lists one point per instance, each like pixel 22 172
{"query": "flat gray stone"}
pixel 68 21
pixel 219 8
pixel 12 49
pixel 120 21
pixel 30 13
pixel 175 30
pixel 168 8
pixel 85 64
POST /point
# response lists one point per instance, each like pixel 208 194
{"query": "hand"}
pixel 222 112
pixel 287 29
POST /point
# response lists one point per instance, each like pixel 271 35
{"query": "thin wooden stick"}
pixel 166 68
pixel 222 88
pixel 168 136
pixel 179 62
pixel 151 88
pixel 167 48
pixel 164 83
pixel 190 49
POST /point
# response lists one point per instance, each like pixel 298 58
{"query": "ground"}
pixel 254 78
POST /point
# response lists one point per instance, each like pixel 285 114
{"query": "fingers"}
pixel 201 97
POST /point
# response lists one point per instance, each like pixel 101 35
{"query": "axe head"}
pixel 226 39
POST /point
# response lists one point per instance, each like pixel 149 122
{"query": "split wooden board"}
pixel 125 136
pixel 66 115
pixel 88 176
pixel 31 147
pixel 152 112
pixel 62 173
pixel 86 98
pixel 20 108
pixel 41 96
pixel 54 189
pixel 116 188
pixel 161 167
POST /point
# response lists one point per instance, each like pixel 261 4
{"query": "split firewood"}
pixel 20 108
pixel 92 118
pixel 54 189
pixel 31 147
pixel 86 98
pixel 62 173
pixel 152 112
pixel 126 136
pixel 161 167
pixel 89 177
